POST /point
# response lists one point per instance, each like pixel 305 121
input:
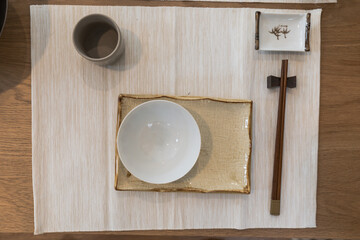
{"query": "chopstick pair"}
pixel 283 82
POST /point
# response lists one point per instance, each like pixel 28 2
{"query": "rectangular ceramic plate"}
pixel 282 32
pixel 224 160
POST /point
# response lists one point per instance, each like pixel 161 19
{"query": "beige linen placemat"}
pixel 268 1
pixel 174 51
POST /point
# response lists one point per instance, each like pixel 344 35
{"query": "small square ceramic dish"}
pixel 282 32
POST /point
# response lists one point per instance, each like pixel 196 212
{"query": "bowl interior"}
pixel 159 141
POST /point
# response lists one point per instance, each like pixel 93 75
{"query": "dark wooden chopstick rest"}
pixel 283 83
pixel 273 81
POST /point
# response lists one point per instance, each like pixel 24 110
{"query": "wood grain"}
pixel 338 194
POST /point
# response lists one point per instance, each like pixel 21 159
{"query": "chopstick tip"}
pixel 275 207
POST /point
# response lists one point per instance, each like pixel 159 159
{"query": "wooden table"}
pixel 338 195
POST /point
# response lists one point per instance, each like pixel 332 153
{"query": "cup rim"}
pixel 118 44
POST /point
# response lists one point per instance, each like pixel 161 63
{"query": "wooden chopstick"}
pixel 276 183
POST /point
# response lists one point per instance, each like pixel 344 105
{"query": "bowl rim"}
pixel 197 133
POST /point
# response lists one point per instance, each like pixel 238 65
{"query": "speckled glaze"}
pixel 223 164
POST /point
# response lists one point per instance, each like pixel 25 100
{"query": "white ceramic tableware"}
pixel 282 32
pixel 158 141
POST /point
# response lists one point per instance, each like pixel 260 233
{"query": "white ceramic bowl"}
pixel 159 141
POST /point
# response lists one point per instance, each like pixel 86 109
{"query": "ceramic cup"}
pixel 98 39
